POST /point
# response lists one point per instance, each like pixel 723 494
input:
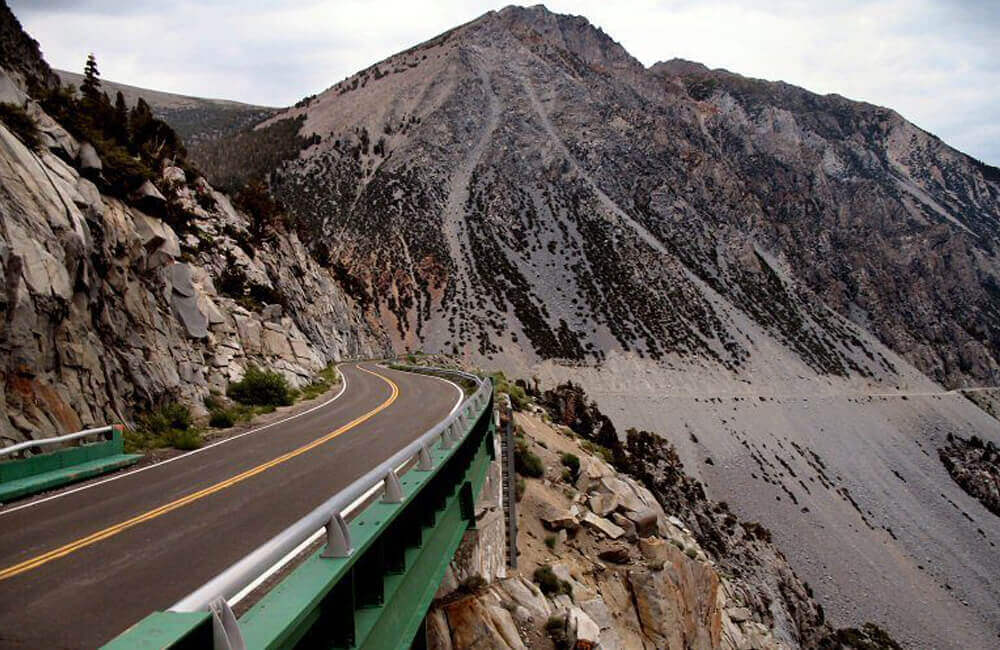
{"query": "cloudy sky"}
pixel 935 61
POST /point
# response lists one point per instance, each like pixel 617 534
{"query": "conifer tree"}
pixel 118 120
pixel 91 79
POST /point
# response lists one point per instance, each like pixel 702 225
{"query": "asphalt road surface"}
pixel 77 569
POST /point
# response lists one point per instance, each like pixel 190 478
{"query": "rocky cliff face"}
pixel 526 169
pixel 632 555
pixel 109 307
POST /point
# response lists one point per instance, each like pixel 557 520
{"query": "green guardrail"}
pixel 26 476
pixel 377 596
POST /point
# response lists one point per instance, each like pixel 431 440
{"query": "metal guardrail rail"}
pixel 42 442
pixel 343 595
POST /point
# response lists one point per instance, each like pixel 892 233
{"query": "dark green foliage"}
pixel 572 463
pixel 91 86
pixel 555 627
pixel 132 145
pixel 20 123
pixel 230 162
pixel 167 417
pixel 526 462
pixel 549 583
pixel 166 426
pixel 221 419
pixel 267 216
pixel 261 387
pixel 518 398
pixel 550 541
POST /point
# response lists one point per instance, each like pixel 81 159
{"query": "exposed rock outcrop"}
pixel 695 577
pixel 108 308
pixel 975 465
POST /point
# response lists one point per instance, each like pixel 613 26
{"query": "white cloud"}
pixel 934 61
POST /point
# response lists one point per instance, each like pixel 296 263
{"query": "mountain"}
pixel 537 141
pixel 777 281
pixel 195 119
pixel 129 282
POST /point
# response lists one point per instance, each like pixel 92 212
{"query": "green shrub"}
pixel 526 462
pixel 572 463
pixel 550 541
pixel 261 387
pixel 21 124
pixel 555 627
pixel 518 398
pixel 221 419
pixel 168 417
pixel 327 378
pixel 166 426
pixel 691 552
pixel 549 583
pixel 213 401
pixel 183 439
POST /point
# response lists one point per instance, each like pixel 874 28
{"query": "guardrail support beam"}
pixel 424 464
pixel 226 633
pixel 393 489
pixel 338 538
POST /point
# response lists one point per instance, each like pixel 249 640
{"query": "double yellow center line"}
pixel 111 531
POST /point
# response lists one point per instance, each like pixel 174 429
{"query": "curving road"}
pixel 79 567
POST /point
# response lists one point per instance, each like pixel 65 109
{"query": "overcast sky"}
pixel 935 61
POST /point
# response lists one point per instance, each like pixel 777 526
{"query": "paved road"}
pixel 78 569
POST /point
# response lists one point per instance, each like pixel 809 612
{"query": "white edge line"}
pixel 295 552
pixel 343 387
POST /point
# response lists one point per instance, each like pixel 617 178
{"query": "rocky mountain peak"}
pixel 571 34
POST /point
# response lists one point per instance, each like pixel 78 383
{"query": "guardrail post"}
pixel 338 538
pixel 447 440
pixel 226 633
pixel 393 490
pixel 424 464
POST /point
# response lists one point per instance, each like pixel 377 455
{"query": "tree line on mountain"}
pixel 132 143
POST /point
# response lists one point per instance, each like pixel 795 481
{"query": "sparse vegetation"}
pixel 169 425
pixel 518 398
pixel 550 541
pixel 221 419
pixel 572 463
pixel 20 123
pixel 132 144
pixel 526 462
pixel 326 379
pixel 549 582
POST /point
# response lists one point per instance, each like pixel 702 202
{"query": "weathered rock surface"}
pixel 107 310
pixel 975 465
pixel 664 591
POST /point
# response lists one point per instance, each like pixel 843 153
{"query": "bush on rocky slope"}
pixel 262 388
pixel 17 120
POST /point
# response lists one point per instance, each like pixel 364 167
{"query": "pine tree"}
pixel 121 119
pixel 91 79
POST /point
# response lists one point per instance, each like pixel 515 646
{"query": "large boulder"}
pixel 581 630
pixel 678 606
pixel 90 162
pixel 601 525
